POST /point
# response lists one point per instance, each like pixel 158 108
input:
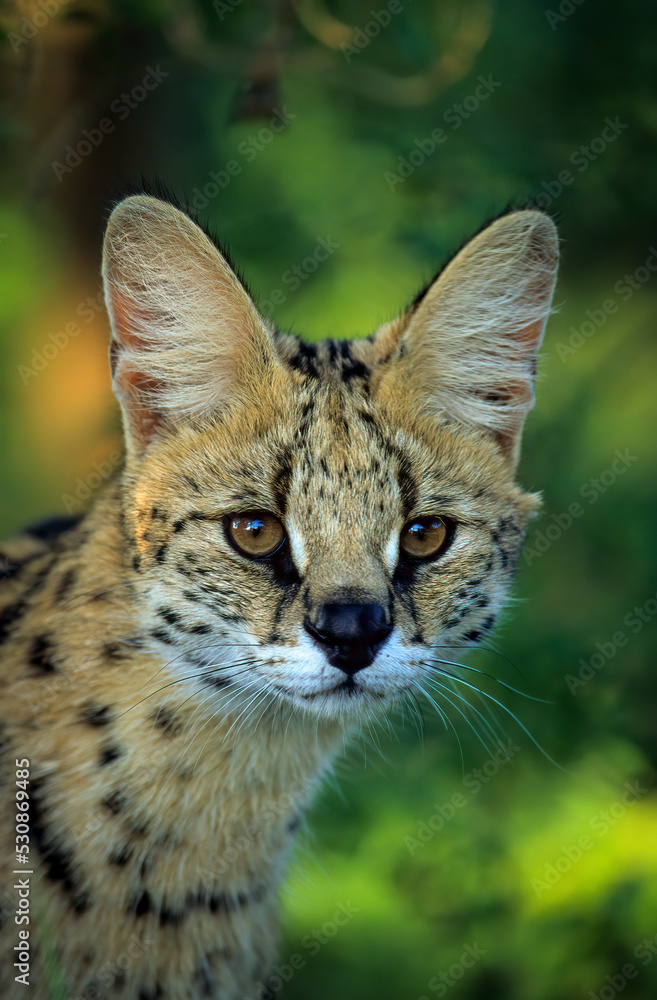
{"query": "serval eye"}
pixel 425 537
pixel 255 533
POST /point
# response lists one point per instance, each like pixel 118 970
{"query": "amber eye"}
pixel 255 533
pixel 425 537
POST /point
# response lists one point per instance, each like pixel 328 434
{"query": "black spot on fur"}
pixel 280 481
pixel 58 862
pixel 192 482
pixel 159 515
pixel 215 681
pixel 200 629
pixel 48 531
pixel 163 636
pixel 169 616
pixel 9 567
pixel 217 903
pixel 221 903
pixel 12 613
pixel 140 904
pixel 97 715
pixel 9 615
pixel 294 824
pixel 115 651
pixel 114 803
pixel 191 595
pixel 368 418
pixel 81 902
pixel 305 360
pixel 64 585
pixel 122 856
pixel 457 617
pixel 110 754
pixel 171 918
pixel 165 719
pixel 274 634
pixel 407 486
pixel 152 993
pixel 351 367
pixel 40 655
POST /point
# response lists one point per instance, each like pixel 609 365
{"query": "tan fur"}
pixel 175 713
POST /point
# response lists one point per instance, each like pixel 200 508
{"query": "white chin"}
pixel 346 697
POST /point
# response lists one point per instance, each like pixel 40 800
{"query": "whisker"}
pixel 446 720
pixel 486 694
pixel 492 677
pixel 416 715
pixel 174 683
pixel 482 718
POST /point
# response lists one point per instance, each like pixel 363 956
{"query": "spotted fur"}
pixel 176 711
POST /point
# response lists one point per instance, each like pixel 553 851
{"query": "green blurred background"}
pixel 287 124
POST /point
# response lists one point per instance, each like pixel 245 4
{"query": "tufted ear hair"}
pixel 468 349
pixel 186 338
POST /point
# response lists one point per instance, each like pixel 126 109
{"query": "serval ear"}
pixel 468 349
pixel 187 341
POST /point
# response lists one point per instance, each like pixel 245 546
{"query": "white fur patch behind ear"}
pixel 183 326
pixel 472 342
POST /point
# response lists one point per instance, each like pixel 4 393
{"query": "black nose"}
pixel 350 634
